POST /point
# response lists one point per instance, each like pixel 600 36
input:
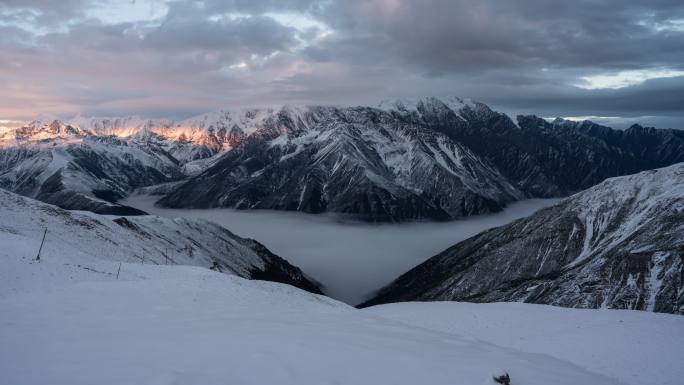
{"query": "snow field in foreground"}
pixel 179 324
pixel 635 347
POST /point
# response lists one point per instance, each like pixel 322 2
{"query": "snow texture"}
pixel 635 348
pixel 84 244
pixel 174 324
pixel 619 244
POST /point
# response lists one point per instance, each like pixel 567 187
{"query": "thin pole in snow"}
pixel 117 272
pixel 41 245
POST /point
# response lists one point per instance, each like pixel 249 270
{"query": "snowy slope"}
pixel 636 348
pixel 184 325
pixel 84 246
pixel 68 320
pixel 619 244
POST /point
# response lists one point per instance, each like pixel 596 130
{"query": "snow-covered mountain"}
pixel 90 163
pixel 79 244
pixel 91 175
pixel 429 158
pixel 361 161
pixel 617 245
pixel 401 160
pixel 215 130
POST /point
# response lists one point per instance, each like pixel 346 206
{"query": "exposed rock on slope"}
pixel 360 161
pixel 550 159
pixel 619 245
pixel 90 163
pixel 91 175
pixel 147 239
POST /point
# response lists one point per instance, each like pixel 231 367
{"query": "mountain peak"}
pixel 429 103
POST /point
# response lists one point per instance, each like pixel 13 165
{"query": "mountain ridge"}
pixel 619 244
pixel 418 160
pixel 95 239
pixel 428 158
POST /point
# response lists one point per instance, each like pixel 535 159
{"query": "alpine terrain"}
pixel 438 159
pixel 221 192
pixel 432 158
pixel 91 163
pixel 90 311
pixel 78 244
pixel 617 245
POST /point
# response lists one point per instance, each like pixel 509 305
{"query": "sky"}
pixel 614 61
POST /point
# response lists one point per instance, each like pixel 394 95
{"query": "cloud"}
pixel 624 79
pixel 177 57
pixel 451 37
pixel 652 97
pixel 337 253
pixel 259 35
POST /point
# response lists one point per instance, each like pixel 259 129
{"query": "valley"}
pixel 350 258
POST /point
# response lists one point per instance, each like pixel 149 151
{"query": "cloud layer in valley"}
pixel 351 259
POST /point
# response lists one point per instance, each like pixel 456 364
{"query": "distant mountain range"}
pixel 90 163
pixel 432 158
pixel 617 245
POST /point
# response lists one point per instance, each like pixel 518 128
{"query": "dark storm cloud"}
pixel 653 97
pixel 455 36
pixel 528 55
pixel 656 98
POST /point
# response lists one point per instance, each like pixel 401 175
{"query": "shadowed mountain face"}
pixel 436 159
pixel 359 161
pixel 429 159
pixel 619 245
